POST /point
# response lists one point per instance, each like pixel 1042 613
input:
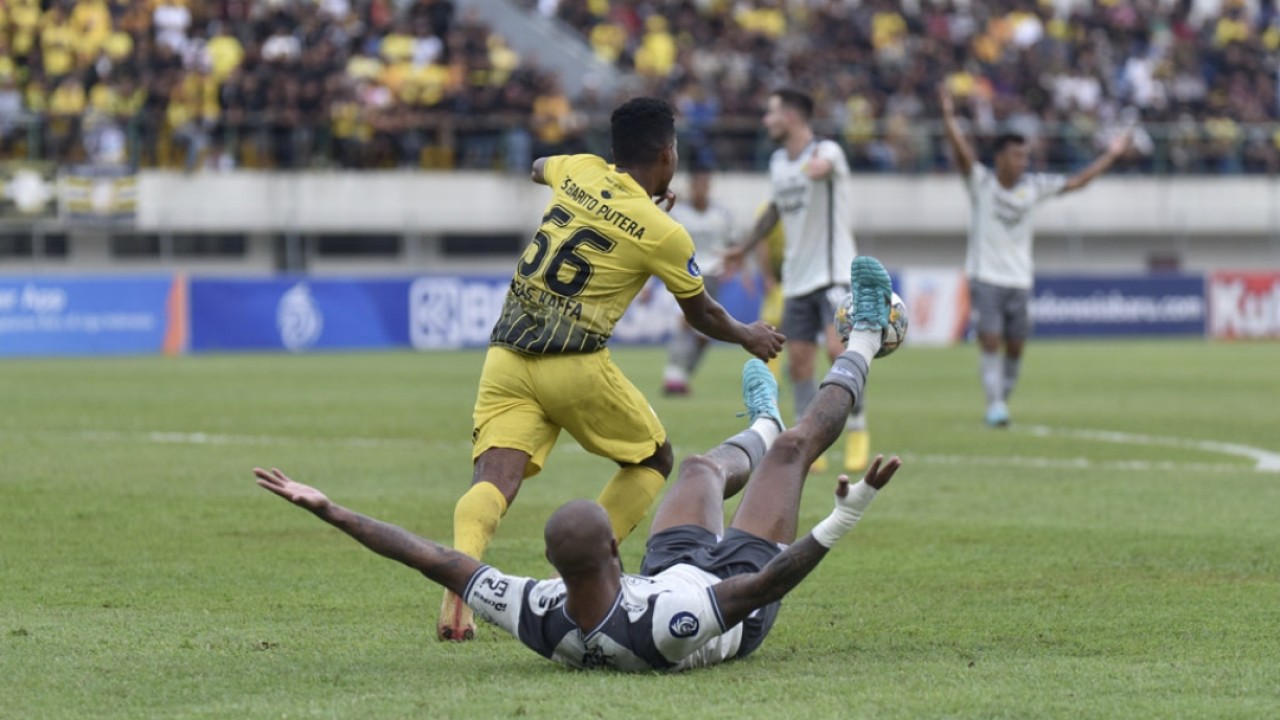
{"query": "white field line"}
pixel 1266 460
pixel 1077 463
pixel 166 437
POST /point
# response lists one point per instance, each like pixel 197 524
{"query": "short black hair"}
pixel 797 100
pixel 1004 140
pixel 641 128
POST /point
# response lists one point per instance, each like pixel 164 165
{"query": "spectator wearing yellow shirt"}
pixel 225 53
pixel 608 39
pixel 1232 27
pixel 104 99
pixel 764 20
pixel 350 129
pixel 118 47
pixel 24 19
pixel 183 116
pixel 397 46
pixel 66 105
pixel 91 21
pixel 363 65
pixel 657 52
pixel 552 120
pixel 57 43
pixel 889 34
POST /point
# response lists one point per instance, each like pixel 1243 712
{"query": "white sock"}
pixel 865 343
pixel 768 430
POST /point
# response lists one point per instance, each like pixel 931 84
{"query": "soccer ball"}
pixel 892 336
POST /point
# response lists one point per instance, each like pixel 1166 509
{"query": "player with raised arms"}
pixel 548 368
pixel 703 595
pixel 998 259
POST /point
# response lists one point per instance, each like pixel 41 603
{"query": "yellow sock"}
pixel 628 496
pixel 476 517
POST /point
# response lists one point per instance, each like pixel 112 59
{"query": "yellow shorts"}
pixel 524 401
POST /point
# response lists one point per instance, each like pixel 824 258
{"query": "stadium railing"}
pixel 409 139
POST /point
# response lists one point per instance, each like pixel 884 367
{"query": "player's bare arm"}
pixel 536 175
pixel 964 155
pixel 710 318
pixel 734 255
pixel 818 168
pixel 443 565
pixel 741 595
pixel 1103 163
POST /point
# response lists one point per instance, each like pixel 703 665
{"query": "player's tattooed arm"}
pixel 738 596
pixel 445 566
pixel 741 595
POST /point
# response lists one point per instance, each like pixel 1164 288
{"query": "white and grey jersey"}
pixel 817 219
pixel 1000 230
pixel 712 231
pixel 669 621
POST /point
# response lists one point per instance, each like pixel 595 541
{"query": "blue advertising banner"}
pixel 53 315
pixel 298 314
pixel 1067 306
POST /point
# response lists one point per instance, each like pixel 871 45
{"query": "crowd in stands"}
pixel 415 83
pixel 1200 75
pixel 268 83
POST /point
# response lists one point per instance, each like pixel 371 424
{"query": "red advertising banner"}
pixel 1244 305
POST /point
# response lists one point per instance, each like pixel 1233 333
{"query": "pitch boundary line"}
pixel 1076 463
pixel 1266 460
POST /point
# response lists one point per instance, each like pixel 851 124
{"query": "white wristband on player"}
pixel 848 512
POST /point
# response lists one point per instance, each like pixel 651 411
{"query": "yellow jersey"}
pixel 602 237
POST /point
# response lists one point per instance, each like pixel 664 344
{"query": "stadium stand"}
pixel 419 83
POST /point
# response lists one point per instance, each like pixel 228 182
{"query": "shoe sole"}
pixel 456 629
pixel 765 375
pixel 867 273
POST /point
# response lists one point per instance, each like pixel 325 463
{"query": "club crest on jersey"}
pixel 694 270
pixel 683 625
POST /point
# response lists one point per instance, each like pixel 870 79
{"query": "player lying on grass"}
pixel 703 595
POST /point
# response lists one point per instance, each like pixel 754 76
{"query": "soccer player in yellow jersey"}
pixel 602 237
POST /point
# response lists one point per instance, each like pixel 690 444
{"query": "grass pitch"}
pixel 1049 571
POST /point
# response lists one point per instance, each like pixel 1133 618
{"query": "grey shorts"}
pixel 806 317
pixel 737 554
pixel 1002 311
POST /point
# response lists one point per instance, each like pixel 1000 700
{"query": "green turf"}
pixel 1003 574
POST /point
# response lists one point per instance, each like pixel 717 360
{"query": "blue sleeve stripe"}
pixel 715 607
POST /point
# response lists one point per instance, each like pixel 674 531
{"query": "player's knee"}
pixel 695 466
pixel 790 445
pixel 663 460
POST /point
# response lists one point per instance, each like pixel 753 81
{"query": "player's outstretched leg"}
pixel 705 481
pixel 771 503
